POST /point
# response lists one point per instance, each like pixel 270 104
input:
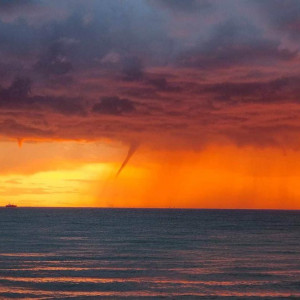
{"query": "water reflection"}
pixel 155 253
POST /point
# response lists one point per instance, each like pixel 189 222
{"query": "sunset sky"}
pixel 202 96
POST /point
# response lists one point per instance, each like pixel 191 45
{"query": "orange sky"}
pixel 208 90
pixel 83 174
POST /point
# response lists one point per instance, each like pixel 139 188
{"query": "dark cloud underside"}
pixel 175 73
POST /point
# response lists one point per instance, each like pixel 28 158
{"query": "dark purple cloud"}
pixel 186 6
pixel 163 72
pixel 54 61
pixel 18 96
pixel 286 89
pixel 113 106
pixel 235 43
pixel 283 15
pixel 8 5
pixel 132 69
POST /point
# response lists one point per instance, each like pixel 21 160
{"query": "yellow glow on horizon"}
pixel 63 188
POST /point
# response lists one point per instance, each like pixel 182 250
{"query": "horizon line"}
pixel 158 208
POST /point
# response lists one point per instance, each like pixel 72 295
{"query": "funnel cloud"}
pixel 131 151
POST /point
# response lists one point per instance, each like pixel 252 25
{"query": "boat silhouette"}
pixel 11 205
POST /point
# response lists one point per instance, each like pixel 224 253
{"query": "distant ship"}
pixel 11 205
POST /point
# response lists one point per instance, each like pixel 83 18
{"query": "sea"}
pixel 68 253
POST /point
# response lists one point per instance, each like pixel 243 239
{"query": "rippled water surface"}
pixel 126 253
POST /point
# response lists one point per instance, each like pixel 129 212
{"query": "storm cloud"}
pixel 180 73
pixel 113 106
